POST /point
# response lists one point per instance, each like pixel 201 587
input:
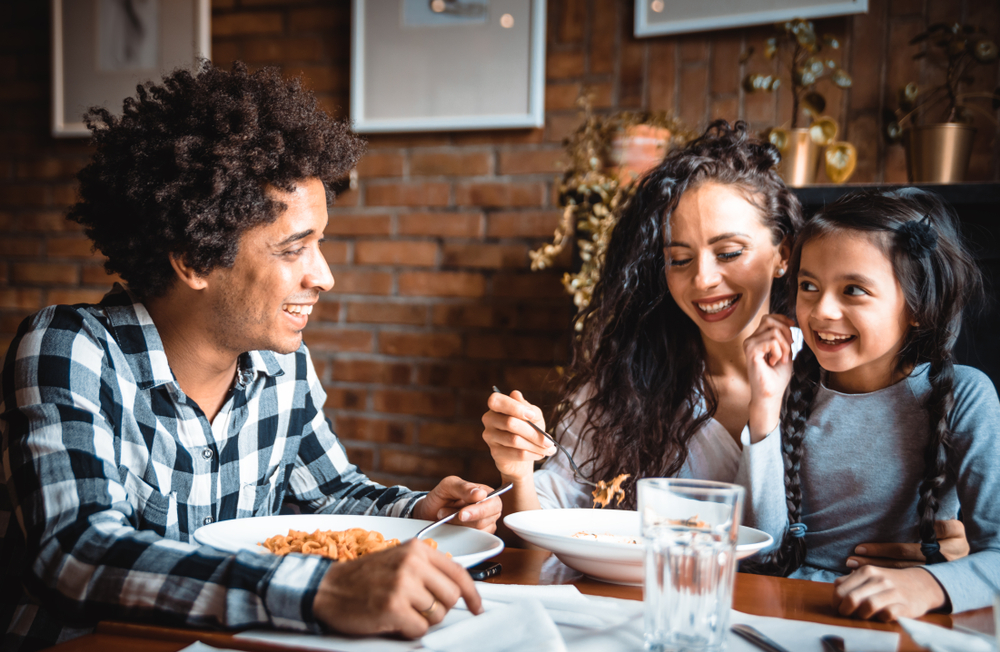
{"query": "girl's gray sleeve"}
pixel 975 423
pixel 762 476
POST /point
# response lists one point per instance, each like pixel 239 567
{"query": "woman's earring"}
pixel 781 272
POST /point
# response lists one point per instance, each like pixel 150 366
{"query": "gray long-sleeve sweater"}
pixel 861 468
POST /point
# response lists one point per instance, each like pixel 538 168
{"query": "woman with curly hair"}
pixel 658 383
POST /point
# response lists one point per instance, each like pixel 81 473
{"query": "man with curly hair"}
pixel 189 397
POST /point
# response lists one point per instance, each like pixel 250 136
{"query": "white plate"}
pixel 610 561
pixel 467 546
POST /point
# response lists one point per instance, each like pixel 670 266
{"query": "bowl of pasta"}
pixel 341 537
pixel 604 544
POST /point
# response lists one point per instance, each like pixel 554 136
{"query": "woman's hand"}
pixel 453 494
pixel 887 594
pixel 950 535
pixel 514 444
pixel 769 366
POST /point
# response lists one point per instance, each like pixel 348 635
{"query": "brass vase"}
pixel 799 157
pixel 938 153
pixel 637 149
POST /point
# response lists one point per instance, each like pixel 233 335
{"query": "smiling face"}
pixel 263 301
pixel 721 260
pixel 852 311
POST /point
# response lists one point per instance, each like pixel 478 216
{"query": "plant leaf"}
pixel 813 103
pixel 922 36
pixel 841 78
pixel 920 55
pixel 746 55
pixel 771 48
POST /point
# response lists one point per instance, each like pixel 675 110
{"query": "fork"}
pixel 441 521
pixel 576 470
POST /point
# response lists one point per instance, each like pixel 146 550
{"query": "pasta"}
pixel 338 546
pixel 608 491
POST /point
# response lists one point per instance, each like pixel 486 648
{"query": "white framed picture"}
pixel 444 65
pixel 654 17
pixel 102 49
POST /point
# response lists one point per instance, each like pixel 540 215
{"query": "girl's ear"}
pixel 784 253
pixel 186 274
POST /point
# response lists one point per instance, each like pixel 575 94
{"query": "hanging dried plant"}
pixel 591 194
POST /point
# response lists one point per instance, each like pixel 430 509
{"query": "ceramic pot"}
pixel 938 153
pixel 637 149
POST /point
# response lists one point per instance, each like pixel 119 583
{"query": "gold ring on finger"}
pixel 426 613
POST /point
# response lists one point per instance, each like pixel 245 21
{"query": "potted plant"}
pixel 798 49
pixel 935 123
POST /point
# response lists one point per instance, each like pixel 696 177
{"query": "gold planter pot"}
pixel 938 153
pixel 799 158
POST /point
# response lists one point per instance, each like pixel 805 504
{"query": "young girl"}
pixel 880 432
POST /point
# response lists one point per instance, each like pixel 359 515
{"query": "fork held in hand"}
pixel 576 470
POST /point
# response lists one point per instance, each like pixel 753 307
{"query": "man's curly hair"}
pixel 184 170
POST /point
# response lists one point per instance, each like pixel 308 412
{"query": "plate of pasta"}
pixel 604 544
pixel 342 537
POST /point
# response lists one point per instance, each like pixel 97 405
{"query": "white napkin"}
pixel 939 639
pixel 198 646
pixel 522 627
pixel 564 603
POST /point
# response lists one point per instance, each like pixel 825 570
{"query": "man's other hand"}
pixel 455 494
pixel 401 590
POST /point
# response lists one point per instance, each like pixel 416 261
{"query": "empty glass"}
pixel 689 529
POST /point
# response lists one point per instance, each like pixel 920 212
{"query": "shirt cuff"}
pixel 291 589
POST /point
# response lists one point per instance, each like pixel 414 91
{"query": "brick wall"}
pixel 433 301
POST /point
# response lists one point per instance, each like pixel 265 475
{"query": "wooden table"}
pixel 755 594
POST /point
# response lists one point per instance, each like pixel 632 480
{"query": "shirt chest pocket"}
pixel 262 498
pixel 151 509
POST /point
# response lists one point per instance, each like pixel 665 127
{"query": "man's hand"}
pixel 402 590
pixel 453 494
pixel 950 534
pixel 887 594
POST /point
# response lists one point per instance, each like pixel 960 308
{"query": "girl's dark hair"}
pixel 186 167
pixel 637 374
pixel 939 277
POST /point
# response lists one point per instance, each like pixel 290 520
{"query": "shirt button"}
pixel 206 453
pixel 208 519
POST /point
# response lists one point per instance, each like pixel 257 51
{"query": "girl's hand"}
pixel 769 366
pixel 950 534
pixel 514 444
pixel 887 594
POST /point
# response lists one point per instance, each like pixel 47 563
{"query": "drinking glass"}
pixel 689 530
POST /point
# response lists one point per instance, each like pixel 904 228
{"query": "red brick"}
pixel 74 296
pixel 451 435
pixel 725 67
pixel 631 73
pixel 455 225
pixel 556 316
pixel 425 345
pixel 320 18
pixel 48 168
pixel 47 273
pixel 320 78
pixel 224 53
pixel 530 285
pixel 473 316
pixel 498 138
pixel 302 48
pixel 374 430
pixel 460 163
pixel 430 404
pixel 46 221
pixel 96 275
pixel 222 4
pixel 523 224
pixel 532 378
pixel 572 17
pixel 326 311
pixel 395 252
pixel 352 282
pixel 361 456
pixel 441 284
pixel 693 99
pixel 485 255
pixel 663 75
pixel 559 127
pixel 371 371
pixel 519 347
pixel 500 194
pixel 602 41
pixel 346 198
pixel 11 246
pixel 264 22
pixel 481 469
pixel 560 65
pixel 408 194
pixel 561 96
pixel 460 376
pixel 532 161
pixel 381 164
pixel 339 340
pixel 409 140
pixel 387 313
pixel 358 225
pixel 346 398
pixel 406 463
pixel 21 298
pixel 335 253
pixel 70 248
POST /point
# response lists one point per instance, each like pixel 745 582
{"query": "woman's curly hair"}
pixel 186 168
pixel 637 379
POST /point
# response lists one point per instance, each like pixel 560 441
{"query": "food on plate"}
pixel 608 491
pixel 339 546
pixel 691 521
pixel 610 538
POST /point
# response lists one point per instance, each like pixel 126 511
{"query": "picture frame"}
pixel 103 49
pixel 657 17
pixel 480 64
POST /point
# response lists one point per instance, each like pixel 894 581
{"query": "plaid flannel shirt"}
pixel 110 468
